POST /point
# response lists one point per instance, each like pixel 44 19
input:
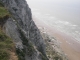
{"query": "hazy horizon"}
pixel 62 9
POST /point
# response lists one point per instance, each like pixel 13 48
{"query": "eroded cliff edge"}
pixel 22 29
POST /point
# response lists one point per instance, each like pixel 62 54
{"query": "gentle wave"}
pixel 63 26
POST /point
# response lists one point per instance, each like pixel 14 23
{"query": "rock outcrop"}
pixel 53 49
pixel 22 29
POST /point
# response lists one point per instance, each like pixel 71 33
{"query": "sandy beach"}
pixel 68 44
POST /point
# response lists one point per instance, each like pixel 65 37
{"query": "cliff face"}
pixel 22 29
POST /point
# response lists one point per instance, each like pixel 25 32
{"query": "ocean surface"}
pixel 64 15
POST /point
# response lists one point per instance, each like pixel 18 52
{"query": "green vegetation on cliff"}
pixel 1 4
pixel 4 15
pixel 3 11
pixel 7 48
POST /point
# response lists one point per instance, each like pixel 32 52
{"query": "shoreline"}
pixel 68 44
pixel 53 49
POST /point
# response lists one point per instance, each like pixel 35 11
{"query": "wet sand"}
pixel 68 44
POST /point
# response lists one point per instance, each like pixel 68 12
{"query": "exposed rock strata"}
pixel 22 29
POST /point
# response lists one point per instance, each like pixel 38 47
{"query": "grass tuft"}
pixel 3 12
pixel 6 45
pixel 4 55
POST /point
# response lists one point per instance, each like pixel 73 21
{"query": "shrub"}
pixel 4 55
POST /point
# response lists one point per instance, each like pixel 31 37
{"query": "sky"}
pixel 61 8
pixel 59 1
pixel 55 2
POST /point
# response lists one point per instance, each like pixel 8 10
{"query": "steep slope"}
pixel 22 29
pixel 7 47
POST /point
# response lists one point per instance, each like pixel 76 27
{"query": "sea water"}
pixel 64 15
